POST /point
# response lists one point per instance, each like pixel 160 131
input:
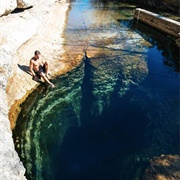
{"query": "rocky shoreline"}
pixel 39 27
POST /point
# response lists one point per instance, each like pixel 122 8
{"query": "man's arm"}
pixel 31 68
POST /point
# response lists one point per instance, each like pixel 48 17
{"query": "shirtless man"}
pixel 39 68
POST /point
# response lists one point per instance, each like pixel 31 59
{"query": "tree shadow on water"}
pixel 87 95
pixel 94 150
pixel 85 152
pixel 77 156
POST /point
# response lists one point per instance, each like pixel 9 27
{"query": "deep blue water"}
pixel 111 114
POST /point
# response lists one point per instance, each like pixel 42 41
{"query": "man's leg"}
pixel 46 79
pixel 46 69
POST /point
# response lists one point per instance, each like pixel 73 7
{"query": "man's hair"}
pixel 37 52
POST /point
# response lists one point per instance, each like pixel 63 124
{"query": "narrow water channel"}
pixel 112 113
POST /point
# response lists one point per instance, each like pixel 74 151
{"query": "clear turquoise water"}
pixel 110 115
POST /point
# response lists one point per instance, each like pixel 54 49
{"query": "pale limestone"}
pixel 10 165
pixel 7 6
pixel 26 3
pixel 21 34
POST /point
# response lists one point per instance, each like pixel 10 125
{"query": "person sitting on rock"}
pixel 39 68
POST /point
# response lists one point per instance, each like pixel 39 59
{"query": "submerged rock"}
pixel 165 167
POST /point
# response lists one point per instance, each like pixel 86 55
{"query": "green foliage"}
pixel 170 5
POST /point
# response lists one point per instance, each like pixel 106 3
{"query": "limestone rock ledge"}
pixel 10 165
pixel 26 3
pixel 7 6
pixel 22 33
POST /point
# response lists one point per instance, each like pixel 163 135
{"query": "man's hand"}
pixel 36 78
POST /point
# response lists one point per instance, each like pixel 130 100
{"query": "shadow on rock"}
pixel 24 68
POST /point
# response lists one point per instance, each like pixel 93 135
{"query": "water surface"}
pixel 112 113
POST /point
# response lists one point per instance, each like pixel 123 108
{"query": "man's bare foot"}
pixel 52 85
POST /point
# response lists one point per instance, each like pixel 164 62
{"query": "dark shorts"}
pixel 41 70
pixel 38 73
